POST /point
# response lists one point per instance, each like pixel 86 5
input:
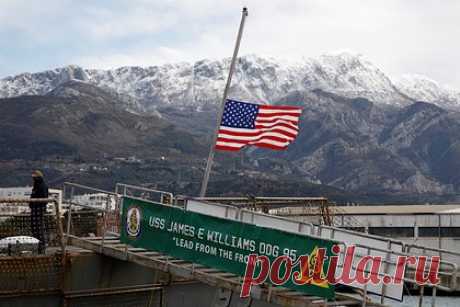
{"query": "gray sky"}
pixel 404 36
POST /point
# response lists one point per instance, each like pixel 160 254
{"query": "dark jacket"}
pixel 39 190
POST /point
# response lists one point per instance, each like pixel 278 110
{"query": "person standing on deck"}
pixel 38 210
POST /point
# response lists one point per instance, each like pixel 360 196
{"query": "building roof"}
pixel 376 209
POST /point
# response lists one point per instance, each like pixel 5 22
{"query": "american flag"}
pixel 267 126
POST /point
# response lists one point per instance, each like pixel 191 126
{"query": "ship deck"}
pixel 112 247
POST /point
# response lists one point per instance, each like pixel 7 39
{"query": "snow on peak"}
pixel 72 72
pixel 425 89
pixel 351 75
pixel 259 79
pixel 40 83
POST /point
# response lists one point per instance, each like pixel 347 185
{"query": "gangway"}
pixel 192 271
pixel 108 243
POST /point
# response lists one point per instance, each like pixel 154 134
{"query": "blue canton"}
pixel 239 114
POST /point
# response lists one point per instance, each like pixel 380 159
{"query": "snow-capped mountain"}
pixel 349 139
pixel 425 89
pixel 40 83
pixel 256 79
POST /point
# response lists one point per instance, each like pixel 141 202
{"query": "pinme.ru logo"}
pixel 310 269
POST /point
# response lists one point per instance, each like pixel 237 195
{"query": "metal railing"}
pixel 85 217
pixel 17 222
pixel 90 211
pixel 144 193
pixel 366 244
pixel 376 245
pixel 104 215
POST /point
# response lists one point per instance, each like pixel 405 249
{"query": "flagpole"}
pixel 207 172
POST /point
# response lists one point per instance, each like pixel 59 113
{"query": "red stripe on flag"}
pixel 270 107
pixel 256 133
pixel 276 114
pixel 237 133
pixel 269 121
pixel 266 137
pixel 290 126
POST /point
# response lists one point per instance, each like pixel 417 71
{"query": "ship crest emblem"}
pixel 133 222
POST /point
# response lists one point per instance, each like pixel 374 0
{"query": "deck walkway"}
pixel 112 247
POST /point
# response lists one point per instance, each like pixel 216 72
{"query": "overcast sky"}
pixel 405 36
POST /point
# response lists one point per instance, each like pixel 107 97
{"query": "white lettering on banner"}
pixel 180 242
pixel 207 249
pixel 223 253
pixel 157 222
pixel 217 237
pixel 232 241
pixel 183 229
pixel 241 258
pixel 200 234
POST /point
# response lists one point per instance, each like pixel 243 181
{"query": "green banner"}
pixel 215 242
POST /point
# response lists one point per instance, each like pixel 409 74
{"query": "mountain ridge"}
pixel 258 79
pixel 360 133
pixel 92 124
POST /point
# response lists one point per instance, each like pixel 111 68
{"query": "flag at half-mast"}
pixel 268 126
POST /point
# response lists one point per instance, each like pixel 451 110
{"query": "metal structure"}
pixel 26 272
pixel 19 224
pixel 144 193
pixel 109 244
pixel 366 244
pixel 315 206
pixel 97 230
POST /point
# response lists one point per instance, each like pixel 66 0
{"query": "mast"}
pixel 204 184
